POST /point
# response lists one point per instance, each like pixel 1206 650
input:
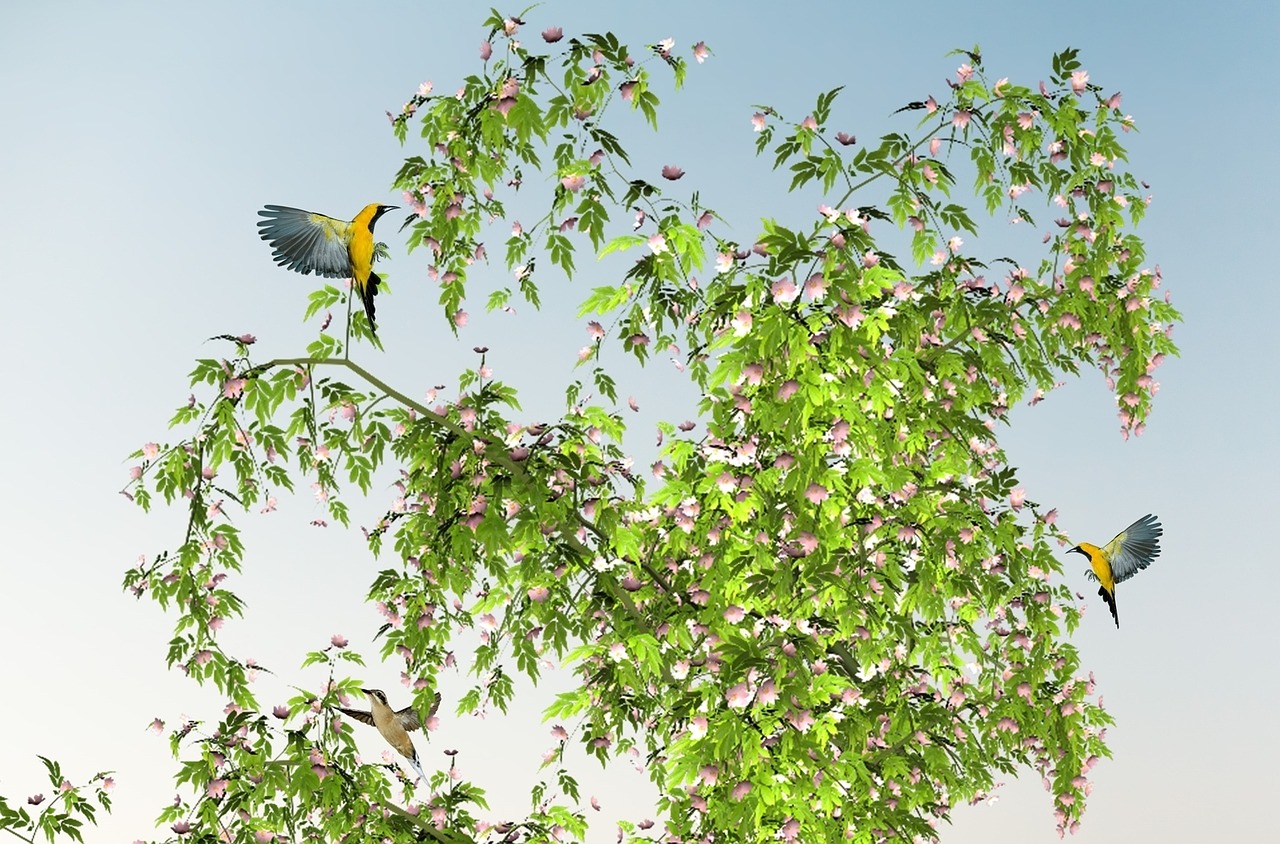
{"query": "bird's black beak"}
pixel 1078 550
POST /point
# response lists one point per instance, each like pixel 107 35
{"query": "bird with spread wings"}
pixel 1130 552
pixel 393 725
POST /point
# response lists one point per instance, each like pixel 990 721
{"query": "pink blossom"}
pixel 850 316
pixel 784 291
pixel 757 122
pixel 816 287
pixel 788 389
pixel 738 697
pixel 573 182
pixel 741 790
pixel 1079 80
pixel 552 34
pixel 816 493
pixel 845 139
pixel 658 244
pixel 1017 498
pixel 486 51
pixel 961 119
pixel 216 788
pixel 930 105
pixel 800 720
pixel 671 172
pixel 700 52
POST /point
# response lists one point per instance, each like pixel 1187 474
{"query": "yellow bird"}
pixel 1130 552
pixel 392 725
pixel 313 243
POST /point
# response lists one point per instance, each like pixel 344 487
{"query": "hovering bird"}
pixel 313 243
pixel 1130 552
pixel 392 725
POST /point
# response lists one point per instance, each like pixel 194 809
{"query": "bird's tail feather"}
pixel 1110 600
pixel 367 291
pixel 417 766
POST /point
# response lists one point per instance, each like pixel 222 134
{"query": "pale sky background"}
pixel 138 140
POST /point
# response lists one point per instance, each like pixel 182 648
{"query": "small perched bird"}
pixel 1130 552
pixel 329 247
pixel 394 726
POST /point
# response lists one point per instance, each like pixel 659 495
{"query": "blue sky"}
pixel 139 140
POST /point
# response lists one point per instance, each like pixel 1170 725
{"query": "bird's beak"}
pixel 1078 550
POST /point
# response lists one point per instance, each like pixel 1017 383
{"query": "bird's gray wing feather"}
pixel 409 719
pixel 1134 548
pixel 358 714
pixel 306 242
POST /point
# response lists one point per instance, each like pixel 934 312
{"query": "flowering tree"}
pixel 827 611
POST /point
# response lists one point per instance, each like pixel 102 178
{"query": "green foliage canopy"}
pixel 827 612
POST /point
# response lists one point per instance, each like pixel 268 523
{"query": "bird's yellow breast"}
pixel 1100 564
pixel 360 247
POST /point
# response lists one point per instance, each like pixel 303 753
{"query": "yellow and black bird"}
pixel 392 725
pixel 1130 552
pixel 313 243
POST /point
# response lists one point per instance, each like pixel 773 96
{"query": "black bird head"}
pixel 382 209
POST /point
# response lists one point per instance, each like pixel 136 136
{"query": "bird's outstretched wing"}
pixel 306 242
pixel 1134 548
pixel 408 716
pixel 358 714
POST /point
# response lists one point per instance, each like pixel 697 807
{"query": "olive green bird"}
pixel 307 242
pixel 392 725
pixel 1130 552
